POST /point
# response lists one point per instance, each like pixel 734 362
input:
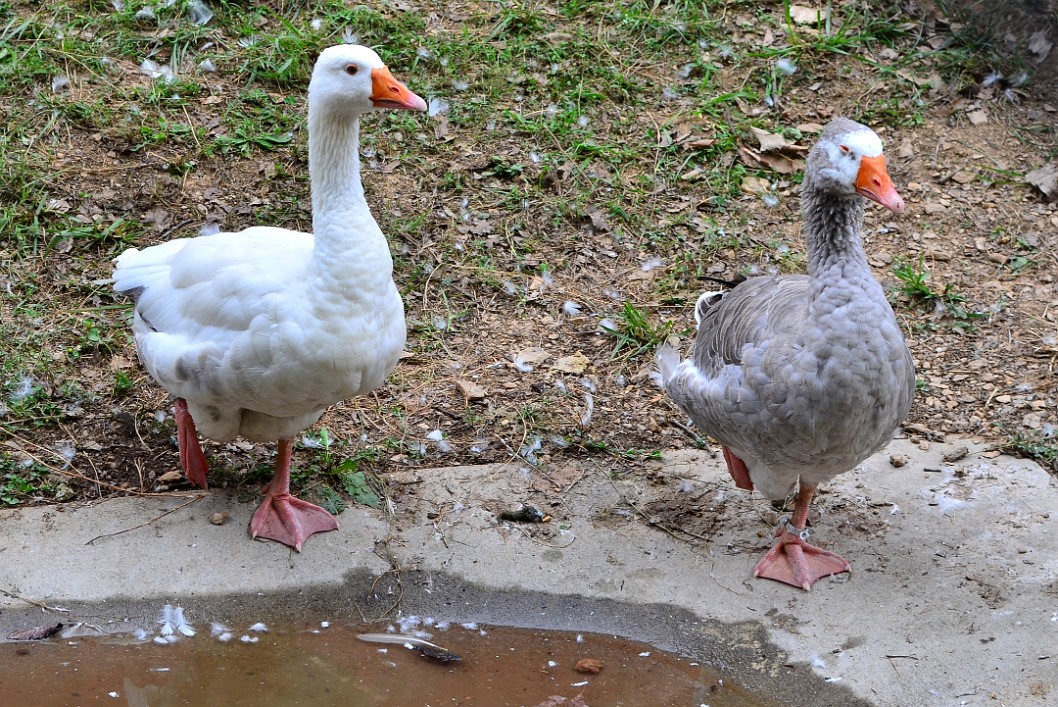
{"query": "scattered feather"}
pixel 23 389
pixel 437 437
pixel 316 24
pixel 530 448
pixel 349 37
pixel 259 628
pixel 180 624
pixel 992 77
pixel 652 264
pixel 66 449
pixel 589 405
pixel 156 70
pixel 785 66
pixel 166 620
pixel 59 83
pixel 437 106
pixel 207 66
pixel 570 308
pixel 200 14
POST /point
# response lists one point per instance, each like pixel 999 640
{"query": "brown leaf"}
pixel 754 185
pixel 560 701
pixel 1045 179
pixel 598 220
pixel 750 158
pixel 770 141
pixel 169 477
pixel 782 164
pixel 36 633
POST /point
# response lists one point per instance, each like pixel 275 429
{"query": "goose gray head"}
pixel 848 160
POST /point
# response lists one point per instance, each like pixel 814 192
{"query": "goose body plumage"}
pixel 255 333
pixel 802 377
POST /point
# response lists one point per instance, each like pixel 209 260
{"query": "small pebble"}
pixel 898 460
pixel 219 518
pixel 591 666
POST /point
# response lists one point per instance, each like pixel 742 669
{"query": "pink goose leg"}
pixel 792 560
pixel 283 517
pixel 192 459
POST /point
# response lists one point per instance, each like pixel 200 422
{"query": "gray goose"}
pixel 802 377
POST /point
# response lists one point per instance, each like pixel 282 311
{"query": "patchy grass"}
pixel 586 161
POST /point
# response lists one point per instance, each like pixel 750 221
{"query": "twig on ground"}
pixel 196 499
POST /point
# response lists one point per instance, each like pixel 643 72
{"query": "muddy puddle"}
pixel 327 664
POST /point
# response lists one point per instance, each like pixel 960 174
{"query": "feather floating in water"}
pixel 430 650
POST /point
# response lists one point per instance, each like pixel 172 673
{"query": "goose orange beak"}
pixel 388 92
pixel 873 182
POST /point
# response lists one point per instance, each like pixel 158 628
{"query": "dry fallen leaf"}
pixel 1045 179
pixel 770 141
pixel 782 164
pixel 169 477
pixel 754 185
pixel 560 701
pixel 36 633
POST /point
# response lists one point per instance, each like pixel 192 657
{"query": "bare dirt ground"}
pixel 510 263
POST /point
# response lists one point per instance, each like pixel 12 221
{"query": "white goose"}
pixel 799 377
pixel 256 333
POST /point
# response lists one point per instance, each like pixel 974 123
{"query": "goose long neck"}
pixel 334 168
pixel 350 254
pixel 833 231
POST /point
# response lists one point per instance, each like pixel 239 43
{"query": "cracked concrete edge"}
pixel 599 571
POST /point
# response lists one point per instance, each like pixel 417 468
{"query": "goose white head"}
pixel 353 79
pixel 848 160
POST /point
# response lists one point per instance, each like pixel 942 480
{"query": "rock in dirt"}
pixel 589 666
pixel 471 390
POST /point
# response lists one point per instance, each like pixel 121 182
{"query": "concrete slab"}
pixel 953 598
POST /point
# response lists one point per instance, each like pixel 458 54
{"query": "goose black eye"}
pixel 352 69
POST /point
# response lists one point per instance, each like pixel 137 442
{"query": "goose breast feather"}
pixel 233 324
pixel 787 393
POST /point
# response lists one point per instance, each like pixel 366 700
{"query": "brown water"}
pixel 330 666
